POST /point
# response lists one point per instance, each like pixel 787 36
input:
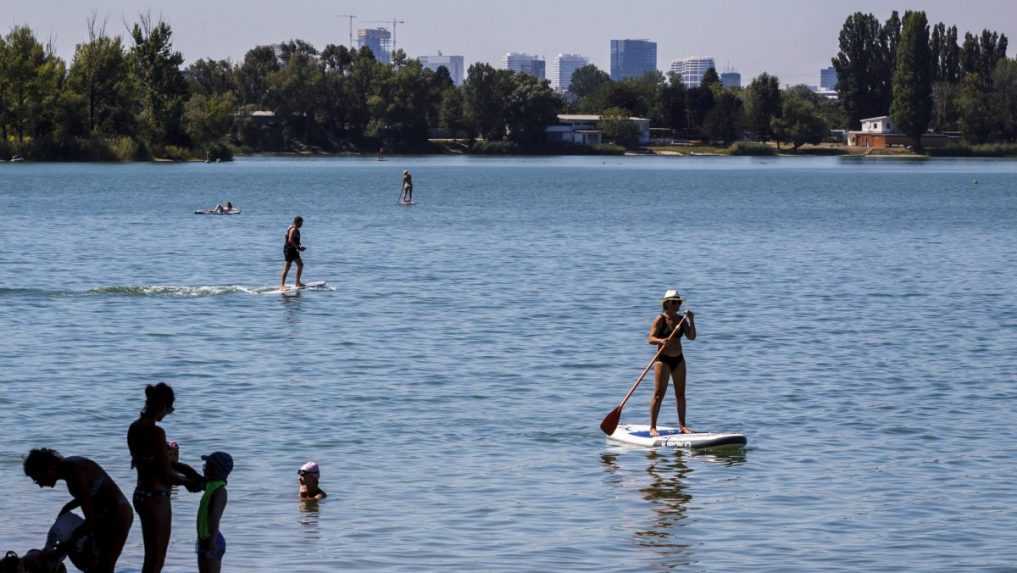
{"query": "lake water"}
pixel 857 320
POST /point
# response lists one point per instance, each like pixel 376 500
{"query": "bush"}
pixel 981 150
pixel 750 148
pixel 218 152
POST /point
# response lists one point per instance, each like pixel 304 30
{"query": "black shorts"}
pixel 291 254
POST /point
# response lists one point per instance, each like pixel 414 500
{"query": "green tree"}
pixel 1004 80
pixel 252 77
pixel 163 89
pixel 800 122
pixel 618 128
pixel 673 104
pixel 485 92
pixel 700 102
pixel 588 81
pixel 100 74
pixel 295 88
pixel 912 81
pixel 978 111
pixel 531 106
pixel 452 115
pixel 211 77
pixel 724 122
pixel 209 118
pixel 711 80
pixel 864 66
pixel 32 80
pixel 762 103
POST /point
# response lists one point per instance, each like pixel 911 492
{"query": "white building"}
pixel 584 129
pixel 454 65
pixel 692 70
pixel 562 68
pixel 881 124
pixel 524 63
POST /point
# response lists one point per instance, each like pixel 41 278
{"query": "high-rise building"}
pixel 562 68
pixel 828 78
pixel 379 41
pixel 525 63
pixel 454 65
pixel 632 58
pixel 731 80
pixel 692 70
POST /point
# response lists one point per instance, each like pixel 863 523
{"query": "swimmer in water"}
pixel 309 474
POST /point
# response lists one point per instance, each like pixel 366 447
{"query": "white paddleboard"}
pixel 292 289
pixel 639 435
pixel 407 203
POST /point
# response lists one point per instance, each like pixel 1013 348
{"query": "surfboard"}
pixel 407 203
pixel 639 435
pixel 233 211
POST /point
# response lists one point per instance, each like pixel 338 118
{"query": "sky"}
pixel 792 39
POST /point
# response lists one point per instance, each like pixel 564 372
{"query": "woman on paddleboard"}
pixel 291 252
pixel 407 196
pixel 671 362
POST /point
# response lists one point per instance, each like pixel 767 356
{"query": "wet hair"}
pixel 298 220
pixel 10 562
pixel 39 459
pixel 158 396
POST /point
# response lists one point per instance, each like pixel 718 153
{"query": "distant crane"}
pixel 350 17
pixel 395 22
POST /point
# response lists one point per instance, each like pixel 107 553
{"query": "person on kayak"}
pixel 291 252
pixel 671 362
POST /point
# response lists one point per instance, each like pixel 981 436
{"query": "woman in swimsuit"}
pixel 150 455
pixel 108 515
pixel 407 196
pixel 671 362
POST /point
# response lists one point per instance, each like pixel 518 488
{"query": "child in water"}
pixel 211 544
pixel 309 474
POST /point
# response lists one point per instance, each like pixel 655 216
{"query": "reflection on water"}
pixel 667 491
pixel 310 519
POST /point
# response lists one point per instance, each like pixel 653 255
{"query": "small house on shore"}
pixel 880 133
pixel 584 129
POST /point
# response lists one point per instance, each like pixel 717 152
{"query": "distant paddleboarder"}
pixel 407 196
pixel 291 252
pixel 671 362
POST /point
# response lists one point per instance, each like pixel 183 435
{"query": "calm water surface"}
pixel 857 320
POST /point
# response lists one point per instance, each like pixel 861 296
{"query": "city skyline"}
pixel 738 34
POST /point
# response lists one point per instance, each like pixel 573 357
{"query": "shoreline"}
pixel 693 151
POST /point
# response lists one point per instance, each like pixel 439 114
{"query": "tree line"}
pixel 927 78
pixel 132 98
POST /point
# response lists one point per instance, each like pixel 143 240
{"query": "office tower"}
pixel 692 70
pixel 731 79
pixel 632 58
pixel 562 68
pixel 828 79
pixel 379 41
pixel 524 63
pixel 454 65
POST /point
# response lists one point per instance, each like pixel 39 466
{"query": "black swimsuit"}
pixel 663 331
pixel 290 252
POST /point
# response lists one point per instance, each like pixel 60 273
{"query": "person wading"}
pixel 150 455
pixel 108 515
pixel 671 362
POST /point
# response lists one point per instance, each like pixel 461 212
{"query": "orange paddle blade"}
pixel 610 423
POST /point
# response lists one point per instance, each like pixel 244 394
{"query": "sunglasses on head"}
pixel 305 473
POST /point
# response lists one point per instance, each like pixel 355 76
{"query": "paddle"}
pixel 610 423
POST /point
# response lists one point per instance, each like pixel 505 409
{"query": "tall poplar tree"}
pixel 912 81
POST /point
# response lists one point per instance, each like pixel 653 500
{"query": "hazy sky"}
pixel 789 38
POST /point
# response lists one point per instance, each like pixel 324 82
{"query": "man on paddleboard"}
pixel 671 362
pixel 407 196
pixel 291 252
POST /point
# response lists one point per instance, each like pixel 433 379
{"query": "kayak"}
pixel 233 211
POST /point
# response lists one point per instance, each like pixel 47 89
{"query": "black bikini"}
pixel 663 332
